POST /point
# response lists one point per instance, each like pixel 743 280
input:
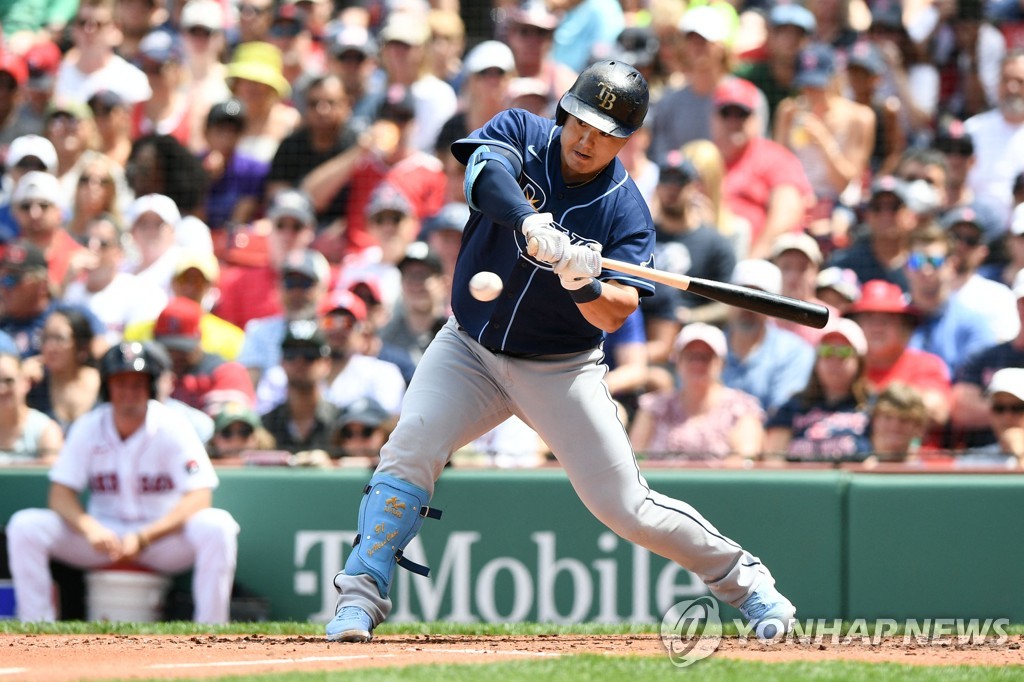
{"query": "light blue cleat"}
pixel 351 624
pixel 769 613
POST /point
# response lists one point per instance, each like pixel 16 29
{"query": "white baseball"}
pixel 485 286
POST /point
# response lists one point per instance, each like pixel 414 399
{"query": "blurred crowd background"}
pixel 264 192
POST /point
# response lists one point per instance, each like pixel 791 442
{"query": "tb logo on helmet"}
pixel 606 98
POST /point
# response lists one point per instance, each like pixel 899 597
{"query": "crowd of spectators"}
pixel 264 190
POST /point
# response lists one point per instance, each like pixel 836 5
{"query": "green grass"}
pixel 592 667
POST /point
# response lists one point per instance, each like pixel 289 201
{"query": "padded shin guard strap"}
pixel 390 515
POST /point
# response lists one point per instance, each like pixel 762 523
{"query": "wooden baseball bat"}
pixel 776 305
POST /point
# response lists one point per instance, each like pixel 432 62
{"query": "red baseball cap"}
pixel 879 296
pixel 177 326
pixel 738 92
pixel 14 65
pixel 343 299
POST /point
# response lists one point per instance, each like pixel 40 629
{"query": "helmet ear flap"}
pixel 560 113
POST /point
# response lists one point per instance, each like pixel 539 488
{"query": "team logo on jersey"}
pixel 533 193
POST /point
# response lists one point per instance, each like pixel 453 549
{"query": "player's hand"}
pixel 544 242
pixel 581 264
pixel 104 540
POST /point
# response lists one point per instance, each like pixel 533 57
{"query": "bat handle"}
pixel 531 246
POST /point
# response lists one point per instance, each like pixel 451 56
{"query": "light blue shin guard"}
pixel 390 515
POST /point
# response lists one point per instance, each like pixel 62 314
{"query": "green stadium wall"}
pixel 519 546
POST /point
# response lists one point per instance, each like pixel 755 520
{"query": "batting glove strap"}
pixel 589 291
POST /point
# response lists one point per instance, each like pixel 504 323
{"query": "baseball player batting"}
pixel 150 486
pixel 535 351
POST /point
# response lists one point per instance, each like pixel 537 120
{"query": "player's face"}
pixel 129 393
pixel 586 150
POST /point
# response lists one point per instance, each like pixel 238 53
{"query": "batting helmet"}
pixel 609 95
pixel 130 358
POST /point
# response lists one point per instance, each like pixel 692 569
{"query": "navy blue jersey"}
pixel 534 314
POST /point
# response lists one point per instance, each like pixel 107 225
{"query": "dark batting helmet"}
pixel 131 357
pixel 609 95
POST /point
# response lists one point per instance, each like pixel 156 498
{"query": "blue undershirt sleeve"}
pixel 499 197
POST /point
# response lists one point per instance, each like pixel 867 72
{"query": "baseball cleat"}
pixel 770 614
pixel 351 624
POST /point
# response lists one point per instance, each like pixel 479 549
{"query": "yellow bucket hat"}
pixel 259 62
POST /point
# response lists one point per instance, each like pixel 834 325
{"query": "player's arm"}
pixel 65 501
pixel 615 302
pixel 492 188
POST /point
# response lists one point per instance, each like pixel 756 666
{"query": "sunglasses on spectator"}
pixel 958 148
pixel 199 32
pixel 63 118
pixel 966 238
pixel 285 29
pixel 1003 408
pixel 918 259
pixel 84 180
pixel 828 350
pixel 733 111
pixel 390 217
pixel 83 22
pixel 251 11
pixel 885 206
pixel 353 56
pixel 10 280
pixel 237 431
pixel 296 281
pixel 27 205
pixel 337 320
pixel 915 178
pixel 289 224
pixel 309 353
pixel 351 431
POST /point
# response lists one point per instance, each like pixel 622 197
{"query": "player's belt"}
pixel 511 354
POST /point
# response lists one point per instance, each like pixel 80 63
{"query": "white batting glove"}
pixel 544 242
pixel 581 264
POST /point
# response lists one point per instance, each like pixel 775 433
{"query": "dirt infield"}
pixel 52 658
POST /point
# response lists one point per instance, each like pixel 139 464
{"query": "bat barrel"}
pixel 776 305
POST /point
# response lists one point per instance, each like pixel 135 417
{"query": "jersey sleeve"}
pixel 507 130
pixel 191 467
pixel 635 245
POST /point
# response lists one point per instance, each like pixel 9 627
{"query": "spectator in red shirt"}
pixel 386 152
pixel 202 380
pixel 249 281
pixel 888 320
pixel 764 181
